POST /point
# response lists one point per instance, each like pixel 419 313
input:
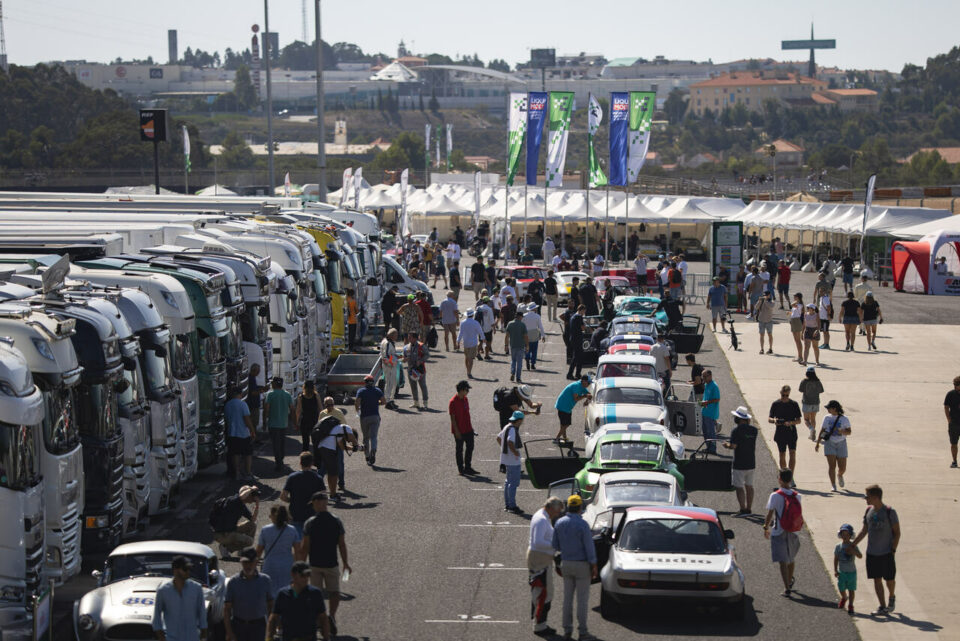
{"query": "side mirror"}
pixel 280 329
pixel 214 577
pixel 729 534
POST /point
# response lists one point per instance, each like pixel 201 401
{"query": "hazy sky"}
pixel 877 34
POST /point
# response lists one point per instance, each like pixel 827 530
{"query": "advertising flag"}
pixel 186 150
pixel 594 118
pixel 561 109
pixel 449 144
pixel 476 200
pixel 426 142
pixel 536 114
pixel 438 150
pixel 642 104
pixel 347 181
pixel 357 183
pixel 286 184
pixel 867 201
pixel 619 122
pixel 517 128
pixel 404 222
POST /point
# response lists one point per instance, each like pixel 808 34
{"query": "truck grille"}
pixel 129 632
pixel 34 560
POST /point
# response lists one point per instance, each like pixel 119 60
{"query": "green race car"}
pixel 620 452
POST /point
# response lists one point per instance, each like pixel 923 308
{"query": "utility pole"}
pixel 321 138
pixel 266 64
pixel 3 44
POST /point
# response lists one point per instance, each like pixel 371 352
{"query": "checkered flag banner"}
pixel 594 117
pixel 560 110
pixel 516 133
pixel 642 104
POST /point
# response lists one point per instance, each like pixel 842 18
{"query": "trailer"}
pixel 347 374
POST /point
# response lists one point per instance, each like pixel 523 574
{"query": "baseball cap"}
pixel 368 378
pixel 517 416
pixel 181 562
pixel 574 500
pixel 463 385
pixel 525 392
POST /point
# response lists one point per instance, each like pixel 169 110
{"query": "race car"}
pixel 621 286
pixel 121 606
pixel 629 348
pixel 627 364
pixel 622 451
pixel 618 491
pixel 642 306
pixel 523 275
pixel 634 324
pixel 670 553
pixel 624 400
pixel 674 441
pixel 565 281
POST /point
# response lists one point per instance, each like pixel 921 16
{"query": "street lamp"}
pixel 266 61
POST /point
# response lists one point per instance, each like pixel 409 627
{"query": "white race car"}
pixel 565 282
pixel 674 441
pixel 625 400
pixel 121 606
pixel 669 553
pixel 630 364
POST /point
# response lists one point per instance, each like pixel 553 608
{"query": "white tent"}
pixel 216 190
pixel 441 205
pixel 948 224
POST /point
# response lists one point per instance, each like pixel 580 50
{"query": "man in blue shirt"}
pixel 711 410
pixel 248 601
pixel 179 613
pixel 717 303
pixel 568 399
pixel 299 609
pixel 578 564
pixel 240 434
pixel 369 400
pixel 471 337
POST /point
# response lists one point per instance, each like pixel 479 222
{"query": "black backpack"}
pixel 677 276
pixel 499 396
pixel 218 514
pixel 323 429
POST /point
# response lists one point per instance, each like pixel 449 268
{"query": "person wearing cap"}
pixel 415 356
pixel 743 442
pixel 785 414
pixel 299 609
pixel 235 525
pixel 323 538
pixel 535 333
pixel 540 556
pixel 484 315
pixel 578 564
pixel 710 412
pixel 240 435
pixel 411 317
pixel 390 362
pixel 551 294
pixel 845 557
pixel 368 402
pixel 833 434
pixel 811 334
pixel 471 337
pixel 179 612
pixel 509 441
pixel 461 426
pixel 572 394
pixel 515 343
pixel 450 320
pixel 248 601
pixel 278 414
pixel 512 399
pixel 717 304
pixel 298 488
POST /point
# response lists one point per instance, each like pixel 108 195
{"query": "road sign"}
pixel 153 125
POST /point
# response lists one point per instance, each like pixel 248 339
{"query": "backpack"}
pixel 217 516
pixel 791 520
pixel 432 338
pixel 323 428
pixel 499 396
pixel 677 277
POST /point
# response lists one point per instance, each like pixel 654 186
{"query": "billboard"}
pixel 541 58
pixel 153 125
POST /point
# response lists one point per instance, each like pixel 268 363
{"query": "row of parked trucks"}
pixel 123 324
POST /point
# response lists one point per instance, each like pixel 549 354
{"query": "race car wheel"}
pixel 609 608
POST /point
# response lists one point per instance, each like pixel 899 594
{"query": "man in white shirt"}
pixel 664 278
pixel 471 337
pixel 540 562
pixel 534 324
pixel 507 290
pixel 826 315
pixel 556 261
pixel 484 315
pixel 548 248
pixel 450 319
pixel 509 441
pixel 329 459
pixel 640 264
pixel 597 264
pixel 453 252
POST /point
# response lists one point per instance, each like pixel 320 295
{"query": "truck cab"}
pixel 334 275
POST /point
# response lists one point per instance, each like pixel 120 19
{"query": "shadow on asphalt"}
pixel 381 468
pixel 896 617
pixel 686 620
pixel 812 601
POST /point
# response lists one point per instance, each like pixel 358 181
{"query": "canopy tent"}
pixel 377 198
pixel 440 205
pixel 333 197
pixel 834 218
pixel 216 190
pixel 914 232
pixel 915 267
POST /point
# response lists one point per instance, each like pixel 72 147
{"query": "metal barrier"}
pixel 696 289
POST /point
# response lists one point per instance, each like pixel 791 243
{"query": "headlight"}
pixel 169 299
pixel 110 350
pixel 93 522
pixel 85 622
pixel 43 348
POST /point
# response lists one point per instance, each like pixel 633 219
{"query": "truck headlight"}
pixel 86 622
pixel 11 593
pixel 94 522
pixel 169 299
pixel 43 349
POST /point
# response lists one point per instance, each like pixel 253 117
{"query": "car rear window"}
pixel 641 370
pixel 629 395
pixel 672 536
pixel 629 451
pixel 637 492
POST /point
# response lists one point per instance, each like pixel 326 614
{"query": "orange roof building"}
pixel 751 89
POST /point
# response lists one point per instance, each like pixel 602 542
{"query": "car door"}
pixel 564 489
pixel 546 462
pixel 704 472
pixel 683 409
pixel 606 527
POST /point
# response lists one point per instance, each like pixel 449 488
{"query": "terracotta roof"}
pixel 820 99
pixel 754 78
pixel 781 145
pixel 949 154
pixel 853 92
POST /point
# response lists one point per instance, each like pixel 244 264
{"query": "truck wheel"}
pixel 609 608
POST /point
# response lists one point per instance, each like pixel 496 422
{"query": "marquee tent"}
pixel 915 267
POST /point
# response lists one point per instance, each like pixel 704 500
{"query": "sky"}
pixel 878 34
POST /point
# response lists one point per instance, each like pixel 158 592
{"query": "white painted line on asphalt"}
pixel 468 568
pixel 465 620
pixel 500 489
pixel 490 524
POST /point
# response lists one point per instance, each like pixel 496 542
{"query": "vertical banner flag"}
pixel 619 121
pixel 536 114
pixel 286 184
pixel 426 142
pixel 594 118
pixel 438 150
pixel 449 144
pixel 404 222
pixel 347 181
pixel 517 128
pixel 357 183
pixel 476 200
pixel 867 201
pixel 642 104
pixel 561 108
pixel 186 150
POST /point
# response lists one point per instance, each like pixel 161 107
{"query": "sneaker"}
pixel 470 471
pixel 333 626
pixel 770 351
pixel 516 509
pixel 880 612
pixel 850 610
pixel 834 488
pixel 511 378
pixel 786 593
pixel 533 366
pixel 547 631
pixel 954 464
pixel 824 346
pixel 840 480
pixel 586 636
pixel 813 434
pixel 414 406
pixel 743 512
pixel 843 602
pixel 891 603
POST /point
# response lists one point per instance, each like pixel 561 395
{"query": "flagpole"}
pixel 626 219
pixel 545 183
pixel 524 217
pixel 587 228
pixel 606 226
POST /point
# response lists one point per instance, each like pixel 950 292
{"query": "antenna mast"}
pixel 303 20
pixel 3 43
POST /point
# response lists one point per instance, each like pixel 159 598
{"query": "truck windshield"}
pixel 156 370
pixel 234 337
pixel 183 365
pixel 255 328
pixel 60 431
pixel 97 410
pixel 130 398
pixel 19 457
pixel 157 564
pixel 210 351
pixel 334 278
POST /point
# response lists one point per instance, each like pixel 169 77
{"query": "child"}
pixel 845 566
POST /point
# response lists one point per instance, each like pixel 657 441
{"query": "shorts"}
pixel 833 448
pixel 810 333
pixel 240 446
pixel 848 278
pixel 327 579
pixel 953 429
pixel 718 312
pixel 765 327
pixel 851 320
pixel 739 478
pixel 328 459
pixel 470 352
pixel 813 408
pixel 784 547
pixel 783 288
pixel 754 298
pixel 785 438
pixel 565 418
pixel 881 566
pixel 847 581
pixel 824 325
pixel 450 327
pixel 488 337
pixel 796 325
pixel 870 322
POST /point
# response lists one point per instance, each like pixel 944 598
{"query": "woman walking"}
pixel 850 314
pixel 833 434
pixel 811 388
pixel 276 547
pixel 796 324
pixel 811 333
pixel 439 268
pixel 411 317
pixel 871 317
pixel 307 412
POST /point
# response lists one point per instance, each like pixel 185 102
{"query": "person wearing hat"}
pixel 232 522
pixel 540 564
pixel 415 356
pixel 512 399
pixel 484 315
pixel 471 337
pixel 323 538
pixel 248 601
pixel 509 441
pixel 411 317
pixel 515 343
pixel 535 333
pixel 299 609
pixel 845 557
pixel 179 612
pixel 578 564
pixel 811 334
pixel 390 362
pixel 717 304
pixel 833 434
pixel 743 442
pixel 368 402
pixel 461 426
pixel 278 414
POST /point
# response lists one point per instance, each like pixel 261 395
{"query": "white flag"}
pixel 186 149
pixel 867 201
pixel 449 144
pixel 347 181
pixel 560 110
pixel 404 222
pixel 286 184
pixel 476 200
pixel 357 182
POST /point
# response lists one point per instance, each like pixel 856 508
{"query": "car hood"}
pixel 131 592
pixel 674 563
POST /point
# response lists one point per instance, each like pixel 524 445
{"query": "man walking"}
pixel 535 333
pixel 471 338
pixel 254 390
pixel 509 441
pixel 456 284
pixel 179 612
pixel 764 316
pixel 710 413
pixel 575 331
pixel 462 428
pixel 248 601
pixel 388 360
pixel 661 353
pixel 881 526
pixel 477 276
pixel 951 408
pixel 784 519
pixel 298 489
pixel 786 415
pixel 330 450
pixel 578 565
pixel 515 342
pixel 589 297
pixel 550 294
pixel 743 442
pixel 299 608
pixel 450 319
pixel 415 356
pixel 484 315
pixel 640 265
pixel 717 303
pixel 540 564
pixel 323 537
pixel 278 412
pixel 368 402
pixel 240 435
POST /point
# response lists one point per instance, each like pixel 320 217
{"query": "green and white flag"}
pixel 426 141
pixel 594 117
pixel 517 130
pixel 449 144
pixel 186 150
pixel 561 109
pixel 642 104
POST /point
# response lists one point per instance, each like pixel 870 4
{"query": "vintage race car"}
pixel 624 400
pixel 669 553
pixel 622 451
pixel 522 274
pixel 629 348
pixel 634 324
pixel 627 364
pixel 620 285
pixel 674 441
pixel 641 305
pixel 565 281
pixel 121 606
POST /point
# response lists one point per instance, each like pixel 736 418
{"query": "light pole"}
pixel 321 151
pixel 266 64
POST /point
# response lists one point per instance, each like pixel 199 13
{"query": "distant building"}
pixel 950 154
pixel 751 88
pixel 788 153
pixel 310 148
pixel 697 160
pixel 853 99
pixel 483 162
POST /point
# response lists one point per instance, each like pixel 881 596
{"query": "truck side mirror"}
pixel 372 282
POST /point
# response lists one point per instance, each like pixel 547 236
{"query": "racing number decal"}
pixel 138 600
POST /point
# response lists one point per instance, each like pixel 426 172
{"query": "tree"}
pixel 421 101
pixel 235 153
pixel 675 105
pixel 438 59
pixel 243 88
pixel 406 150
pixel 499 64
pixel 301 56
pixel 434 103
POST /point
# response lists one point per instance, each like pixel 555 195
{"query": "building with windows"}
pixel 751 89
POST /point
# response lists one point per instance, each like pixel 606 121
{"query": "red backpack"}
pixel 791 519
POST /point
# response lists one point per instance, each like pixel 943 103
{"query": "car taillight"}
pixel 630 583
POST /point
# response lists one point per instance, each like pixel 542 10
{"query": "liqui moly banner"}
pixel 619 125
pixel 537 102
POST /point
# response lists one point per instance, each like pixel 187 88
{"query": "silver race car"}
pixel 121 607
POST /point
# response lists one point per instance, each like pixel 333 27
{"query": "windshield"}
pixel 629 451
pixel 234 338
pixel 97 410
pixel 628 327
pixel 527 274
pixel 19 457
pixel 157 371
pixel 319 283
pixel 255 328
pixel 638 307
pixel 636 370
pixel 183 365
pixel 126 566
pixel 635 492
pixel 334 278
pixel 60 431
pixel 629 395
pixel 672 536
pixel 210 351
pixel 130 397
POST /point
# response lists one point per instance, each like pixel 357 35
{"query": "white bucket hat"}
pixel 742 413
